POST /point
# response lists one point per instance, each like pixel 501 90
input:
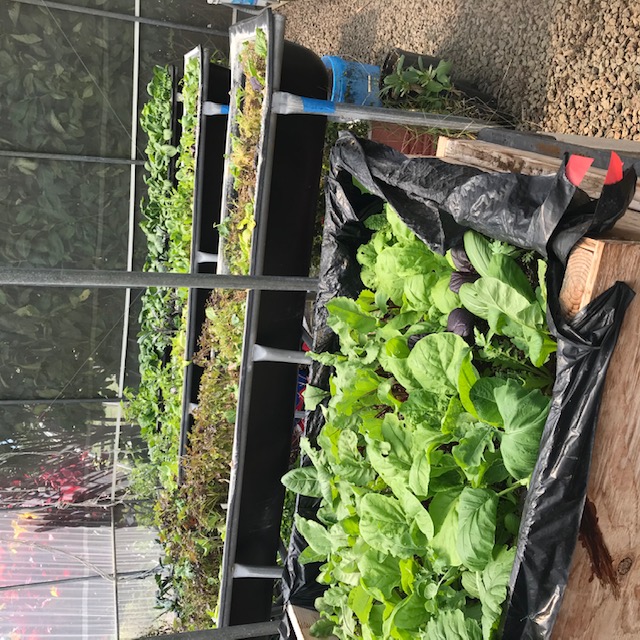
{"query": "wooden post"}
pixel 602 599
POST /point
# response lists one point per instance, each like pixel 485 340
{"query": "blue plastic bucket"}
pixel 353 82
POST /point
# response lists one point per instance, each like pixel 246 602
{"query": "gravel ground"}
pixel 570 66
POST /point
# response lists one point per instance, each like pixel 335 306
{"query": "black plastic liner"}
pixel 438 201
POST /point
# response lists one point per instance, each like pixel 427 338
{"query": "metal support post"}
pixel 269 354
pixel 246 571
pixel 126 17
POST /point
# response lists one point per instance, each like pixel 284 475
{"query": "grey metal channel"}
pixel 274 29
pixel 192 330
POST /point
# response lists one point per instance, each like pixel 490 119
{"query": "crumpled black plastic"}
pixel 438 201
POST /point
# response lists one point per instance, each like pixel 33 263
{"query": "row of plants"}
pixel 189 516
pixel 167 215
pixel 437 401
pixel 193 520
pixel 237 227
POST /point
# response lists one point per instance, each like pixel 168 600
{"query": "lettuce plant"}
pixel 429 438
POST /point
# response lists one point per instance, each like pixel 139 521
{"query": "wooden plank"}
pixel 301 620
pixel 602 600
pixel 627 228
pixel 494 157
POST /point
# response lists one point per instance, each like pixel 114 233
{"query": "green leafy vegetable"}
pixel 427 438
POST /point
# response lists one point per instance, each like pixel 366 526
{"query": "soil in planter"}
pixel 238 227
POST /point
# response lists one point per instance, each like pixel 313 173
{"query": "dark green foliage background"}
pixel 66 86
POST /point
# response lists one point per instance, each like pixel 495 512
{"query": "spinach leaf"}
pixel 483 399
pixel 418 291
pixel 444 513
pixel 478 250
pixel 505 268
pixel 303 480
pixel 380 573
pixel 315 534
pixel 524 413
pixel 435 362
pixel 477 509
pixel 384 527
pixel 494 301
pixel 409 613
pixel 443 298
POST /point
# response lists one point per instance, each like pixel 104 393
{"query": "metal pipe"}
pixel 214 109
pixel 143 279
pixel 125 575
pixel 205 257
pixel 271 354
pixel 65 157
pixel 237 632
pixel 288 104
pixel 247 571
pixel 101 13
pixel 59 401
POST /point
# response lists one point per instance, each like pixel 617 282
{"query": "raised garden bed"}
pixel 403 552
pixel 184 195
pixel 185 182
pixel 277 237
pixel 424 426
pixel 161 317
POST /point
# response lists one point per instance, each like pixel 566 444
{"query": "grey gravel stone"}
pixel 541 59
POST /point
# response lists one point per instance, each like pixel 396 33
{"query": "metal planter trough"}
pixel 209 148
pixel 287 164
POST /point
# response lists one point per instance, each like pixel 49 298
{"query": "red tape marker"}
pixel 577 168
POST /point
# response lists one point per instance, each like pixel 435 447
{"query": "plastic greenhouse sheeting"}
pixel 549 214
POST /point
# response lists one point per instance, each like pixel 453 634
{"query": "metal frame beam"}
pixel 101 13
pixel 144 279
pixel 238 632
pixel 65 157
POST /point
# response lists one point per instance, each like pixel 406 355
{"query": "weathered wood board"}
pixel 602 599
pixel 495 157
